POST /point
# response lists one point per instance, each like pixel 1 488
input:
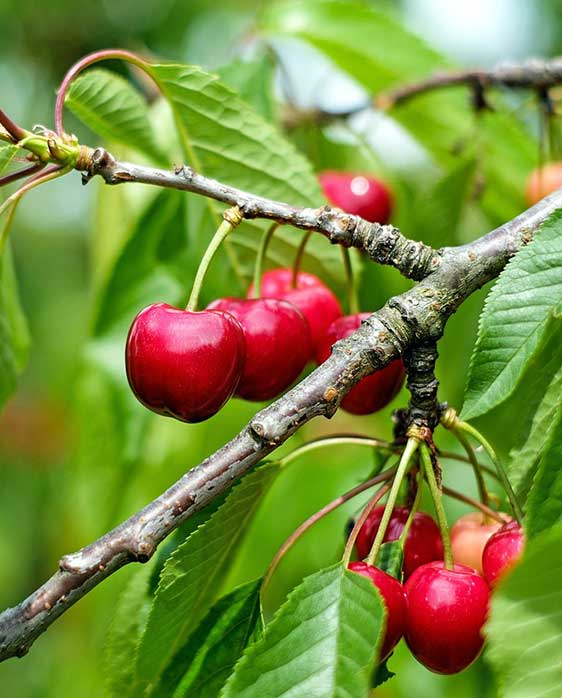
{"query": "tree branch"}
pixel 413 318
pixel 384 244
pixel 534 74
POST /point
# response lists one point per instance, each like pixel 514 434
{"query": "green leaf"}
pixel 436 210
pixel 544 506
pixel 192 576
pixel 7 154
pixel 124 633
pixel 252 80
pixel 14 335
pixel 202 666
pixel 224 138
pixel 390 559
pixel 525 624
pixel 519 309
pixel 110 106
pixel 322 642
pixel 524 461
pixel 380 53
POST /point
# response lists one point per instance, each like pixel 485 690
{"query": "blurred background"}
pixel 72 463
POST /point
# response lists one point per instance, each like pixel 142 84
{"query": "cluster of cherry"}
pixel 187 364
pixel 439 611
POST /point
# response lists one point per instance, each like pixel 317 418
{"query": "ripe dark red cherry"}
pixel 392 593
pixel 446 612
pixel 312 297
pixel 277 344
pixel 373 392
pixel 184 364
pixel 469 535
pixel 423 542
pixel 358 194
pixel 543 181
pixel 502 552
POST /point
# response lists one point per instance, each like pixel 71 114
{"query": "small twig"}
pixel 15 131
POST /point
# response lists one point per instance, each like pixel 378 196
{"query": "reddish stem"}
pixel 77 68
pixel 25 172
pixel 15 131
pixel 342 499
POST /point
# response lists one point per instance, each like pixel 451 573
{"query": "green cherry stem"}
pixel 299 257
pixel 260 258
pixel 411 447
pixel 320 514
pixel 469 429
pixel 438 505
pixel 337 441
pixel 465 443
pixel 352 299
pixel 232 217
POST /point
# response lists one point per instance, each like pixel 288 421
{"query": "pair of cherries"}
pixel 439 611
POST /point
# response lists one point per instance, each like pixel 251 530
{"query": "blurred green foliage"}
pixel 69 468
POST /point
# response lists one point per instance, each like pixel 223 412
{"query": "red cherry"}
pixel 446 612
pixel 277 344
pixel 373 392
pixel 311 296
pixel 184 364
pixel 423 542
pixel 469 535
pixel 394 599
pixel 543 181
pixel 358 194
pixel 502 552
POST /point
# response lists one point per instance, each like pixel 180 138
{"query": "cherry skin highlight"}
pixel 184 364
pixel 423 542
pixel 358 194
pixel 394 599
pixel 543 181
pixel 469 536
pixel 312 297
pixel 446 612
pixel 502 552
pixel 373 392
pixel 277 340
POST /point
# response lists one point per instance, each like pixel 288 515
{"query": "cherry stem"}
pixel 469 429
pixel 413 510
pixel 20 174
pixel 298 259
pixel 260 258
pixel 474 503
pixel 12 129
pixel 438 506
pixel 82 64
pixel 232 218
pixel 337 441
pixel 352 299
pixel 320 514
pixel 411 447
pixel 371 504
pixel 483 492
